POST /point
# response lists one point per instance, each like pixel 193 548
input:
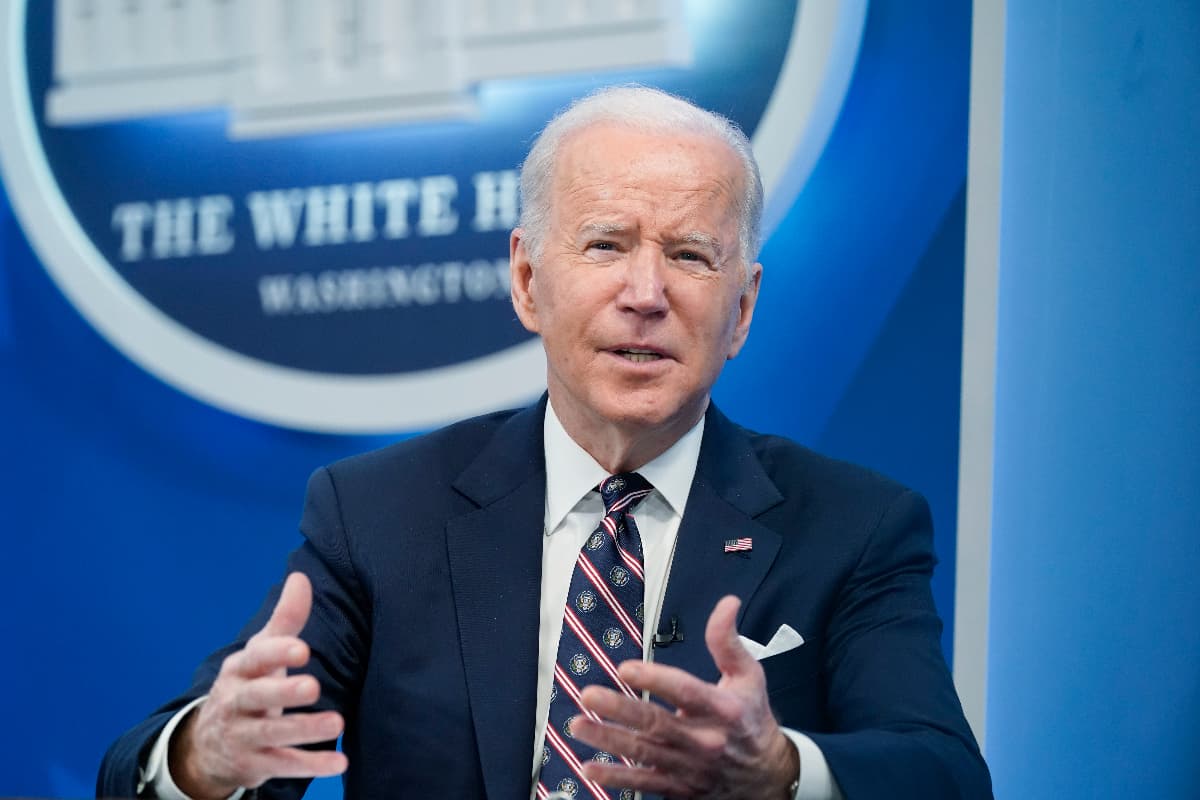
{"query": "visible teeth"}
pixel 640 356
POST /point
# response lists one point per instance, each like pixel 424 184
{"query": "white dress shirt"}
pixel 572 512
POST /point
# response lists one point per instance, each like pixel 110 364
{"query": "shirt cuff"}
pixel 816 781
pixel 156 775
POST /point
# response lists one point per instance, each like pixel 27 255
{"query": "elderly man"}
pixel 617 587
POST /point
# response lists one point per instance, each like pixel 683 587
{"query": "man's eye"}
pixel 602 246
pixel 692 256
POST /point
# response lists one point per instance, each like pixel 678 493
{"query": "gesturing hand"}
pixel 721 742
pixel 240 736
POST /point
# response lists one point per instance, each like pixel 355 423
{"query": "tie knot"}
pixel 622 492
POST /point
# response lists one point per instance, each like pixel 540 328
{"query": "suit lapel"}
pixel 495 556
pixel 729 490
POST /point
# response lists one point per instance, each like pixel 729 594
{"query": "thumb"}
pixel 291 612
pixel 721 636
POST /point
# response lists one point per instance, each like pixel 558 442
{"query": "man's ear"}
pixel 746 305
pixel 521 277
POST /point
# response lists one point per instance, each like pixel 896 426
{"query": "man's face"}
pixel 641 294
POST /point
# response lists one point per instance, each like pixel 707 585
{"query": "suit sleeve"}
pixel 337 633
pixel 899 727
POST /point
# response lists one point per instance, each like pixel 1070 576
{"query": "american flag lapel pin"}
pixel 742 545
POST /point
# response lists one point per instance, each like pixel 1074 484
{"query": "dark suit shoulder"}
pixel 799 471
pixel 430 478
pixel 438 456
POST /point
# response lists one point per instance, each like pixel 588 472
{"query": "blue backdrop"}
pixel 141 527
pixel 1094 655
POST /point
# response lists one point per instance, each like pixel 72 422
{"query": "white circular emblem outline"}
pixel 794 128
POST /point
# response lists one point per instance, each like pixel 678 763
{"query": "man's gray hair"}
pixel 647 110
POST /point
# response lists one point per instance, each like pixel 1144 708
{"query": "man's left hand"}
pixel 721 742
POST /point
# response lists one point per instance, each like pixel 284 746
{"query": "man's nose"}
pixel 645 287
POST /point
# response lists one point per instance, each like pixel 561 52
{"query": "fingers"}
pixel 277 647
pixel 265 655
pixel 295 763
pixel 650 721
pixel 646 733
pixel 220 748
pixel 258 766
pixel 673 755
pixel 272 694
pixel 721 637
pixel 289 730
pixel 681 689
pixel 667 763
pixel 292 610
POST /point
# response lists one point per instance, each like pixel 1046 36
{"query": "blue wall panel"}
pixel 1095 652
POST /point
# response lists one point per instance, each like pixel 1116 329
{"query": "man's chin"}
pixel 655 414
pixel 635 411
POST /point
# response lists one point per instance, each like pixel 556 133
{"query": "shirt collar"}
pixel 571 472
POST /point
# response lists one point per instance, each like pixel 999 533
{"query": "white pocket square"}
pixel 784 639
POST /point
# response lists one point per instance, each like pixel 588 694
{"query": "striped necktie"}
pixel 602 626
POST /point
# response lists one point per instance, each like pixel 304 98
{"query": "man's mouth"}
pixel 638 355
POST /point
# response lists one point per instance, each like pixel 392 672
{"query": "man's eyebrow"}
pixel 692 238
pixel 698 239
pixel 603 228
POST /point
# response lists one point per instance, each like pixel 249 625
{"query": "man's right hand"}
pixel 239 736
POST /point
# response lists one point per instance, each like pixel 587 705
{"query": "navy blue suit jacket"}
pixel 425 558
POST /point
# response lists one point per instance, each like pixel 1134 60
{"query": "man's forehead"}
pixel 615 180
pixel 616 164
